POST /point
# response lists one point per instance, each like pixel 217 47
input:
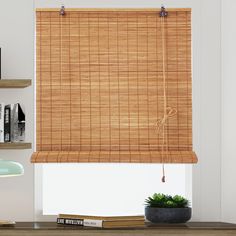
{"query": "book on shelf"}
pixel 135 217
pixel 7 123
pixel 101 222
pixel 13 123
pixel 2 106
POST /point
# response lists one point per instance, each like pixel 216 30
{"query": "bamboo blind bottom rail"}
pixel 113 157
pixel 18 145
pixel 15 83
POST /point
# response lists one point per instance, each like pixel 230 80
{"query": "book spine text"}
pixel 82 222
pixel 2 106
pixel 69 221
pixel 7 124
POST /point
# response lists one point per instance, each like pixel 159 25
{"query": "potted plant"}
pixel 161 208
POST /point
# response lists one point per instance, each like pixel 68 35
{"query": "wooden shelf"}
pixel 15 83
pixel 15 145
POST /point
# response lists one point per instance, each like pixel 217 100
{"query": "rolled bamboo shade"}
pixel 100 87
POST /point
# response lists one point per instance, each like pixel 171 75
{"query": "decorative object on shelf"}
pixel 10 169
pixel 17 123
pixel 161 208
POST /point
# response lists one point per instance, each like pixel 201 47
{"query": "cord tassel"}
pixel 163 179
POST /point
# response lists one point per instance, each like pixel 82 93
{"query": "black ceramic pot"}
pixel 168 215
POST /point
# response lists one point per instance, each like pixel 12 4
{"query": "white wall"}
pixel 18 41
pixel 207 110
pixel 228 111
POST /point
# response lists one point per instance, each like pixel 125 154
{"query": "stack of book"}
pixel 102 221
pixel 12 123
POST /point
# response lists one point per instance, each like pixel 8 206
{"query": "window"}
pixel 99 88
pixel 108 189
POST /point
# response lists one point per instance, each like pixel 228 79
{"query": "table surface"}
pixel 148 226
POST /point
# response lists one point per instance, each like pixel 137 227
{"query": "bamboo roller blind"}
pixel 100 87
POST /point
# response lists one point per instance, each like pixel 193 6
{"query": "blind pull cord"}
pixel 168 112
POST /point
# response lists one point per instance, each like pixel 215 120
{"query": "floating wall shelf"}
pixel 15 83
pixel 15 145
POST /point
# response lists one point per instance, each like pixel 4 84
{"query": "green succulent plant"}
pixel 166 201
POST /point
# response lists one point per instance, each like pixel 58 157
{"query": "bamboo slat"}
pixel 100 86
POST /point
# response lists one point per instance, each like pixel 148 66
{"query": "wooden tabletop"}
pixel 187 226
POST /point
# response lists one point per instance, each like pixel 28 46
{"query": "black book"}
pixel 2 106
pixel 65 221
pixel 7 123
